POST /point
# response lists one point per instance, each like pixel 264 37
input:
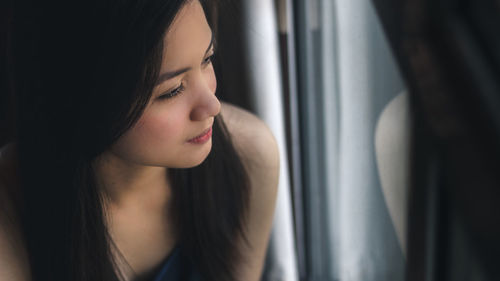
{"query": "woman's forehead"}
pixel 188 36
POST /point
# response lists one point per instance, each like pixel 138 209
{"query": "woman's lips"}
pixel 204 137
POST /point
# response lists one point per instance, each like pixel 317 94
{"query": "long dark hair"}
pixel 81 75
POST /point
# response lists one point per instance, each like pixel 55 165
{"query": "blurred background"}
pixel 387 114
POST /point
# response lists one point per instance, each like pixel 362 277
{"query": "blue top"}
pixel 177 268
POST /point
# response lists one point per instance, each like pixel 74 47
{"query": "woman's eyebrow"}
pixel 171 74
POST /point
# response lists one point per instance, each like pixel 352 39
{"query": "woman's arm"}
pixel 259 151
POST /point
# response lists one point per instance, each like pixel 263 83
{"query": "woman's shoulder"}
pixel 13 257
pixel 259 152
pixel 251 137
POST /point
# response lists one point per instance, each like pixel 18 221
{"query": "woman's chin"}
pixel 195 158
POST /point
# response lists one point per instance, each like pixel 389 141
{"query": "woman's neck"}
pixel 138 216
pixel 131 185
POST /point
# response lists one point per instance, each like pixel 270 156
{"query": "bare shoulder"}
pixel 13 256
pixel 256 146
pixel 259 151
pixel 251 136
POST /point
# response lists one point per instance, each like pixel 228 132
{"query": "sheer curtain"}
pixel 347 79
pixel 347 113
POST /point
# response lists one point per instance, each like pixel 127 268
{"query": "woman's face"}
pixel 183 103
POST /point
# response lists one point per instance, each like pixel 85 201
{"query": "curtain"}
pixel 350 94
pixel 335 100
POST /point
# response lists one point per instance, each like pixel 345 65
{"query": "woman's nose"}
pixel 209 108
pixel 207 104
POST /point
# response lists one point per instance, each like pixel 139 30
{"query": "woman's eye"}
pixel 208 60
pixel 172 93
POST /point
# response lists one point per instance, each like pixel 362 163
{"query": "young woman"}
pixel 118 165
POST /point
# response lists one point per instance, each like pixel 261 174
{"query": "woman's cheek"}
pixel 159 128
